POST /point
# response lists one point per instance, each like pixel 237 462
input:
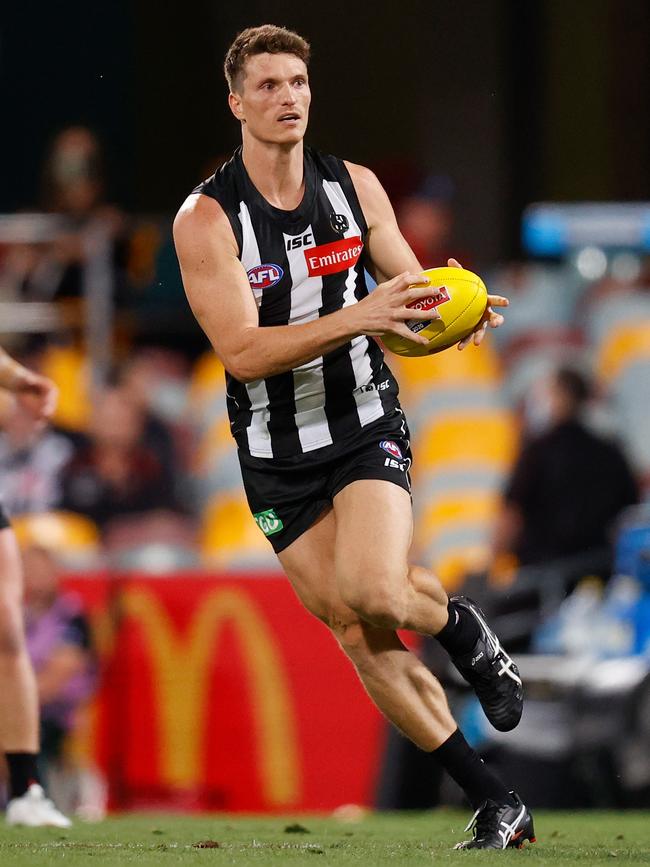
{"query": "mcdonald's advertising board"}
pixel 223 693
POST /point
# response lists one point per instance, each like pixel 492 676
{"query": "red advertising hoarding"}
pixel 223 693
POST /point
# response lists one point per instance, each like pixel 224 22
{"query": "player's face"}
pixel 274 98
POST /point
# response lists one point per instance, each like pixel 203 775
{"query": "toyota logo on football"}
pixel 440 296
pixel 265 276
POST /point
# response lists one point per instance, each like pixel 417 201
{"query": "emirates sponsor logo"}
pixel 334 257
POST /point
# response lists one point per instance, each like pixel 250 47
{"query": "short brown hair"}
pixel 265 39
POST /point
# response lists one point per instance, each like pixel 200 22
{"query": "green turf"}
pixel 405 840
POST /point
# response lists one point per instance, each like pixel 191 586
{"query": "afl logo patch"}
pixel 392 448
pixel 265 276
pixel 339 222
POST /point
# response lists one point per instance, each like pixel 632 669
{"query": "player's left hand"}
pixel 37 394
pixel 489 318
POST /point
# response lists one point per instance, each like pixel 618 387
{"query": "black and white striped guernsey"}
pixel 303 264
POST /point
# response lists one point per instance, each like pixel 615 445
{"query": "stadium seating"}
pixel 451 369
pixel 462 456
pixel 214 465
pixel 69 368
pixel 630 398
pixel 73 538
pixel 614 311
pixel 229 537
pixel 623 345
pixel 207 383
pixel 468 439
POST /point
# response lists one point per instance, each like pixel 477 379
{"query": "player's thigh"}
pixel 11 592
pixel 374 522
pixel 309 565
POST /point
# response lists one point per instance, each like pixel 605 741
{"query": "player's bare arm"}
pixel 36 393
pixel 219 293
pixel 389 252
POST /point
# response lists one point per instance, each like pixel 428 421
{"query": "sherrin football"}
pixel 459 296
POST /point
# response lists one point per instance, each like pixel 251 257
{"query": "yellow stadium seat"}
pixel 474 365
pixel 455 564
pixel 68 367
pixel 623 345
pixel 74 538
pixel 213 445
pixel 207 379
pixel 455 510
pixel 465 438
pixel 230 538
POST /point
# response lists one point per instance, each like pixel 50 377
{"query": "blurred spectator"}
pixel 568 484
pixel 74 187
pixel 33 456
pixel 60 647
pixel 118 473
pixel 156 380
pixel 426 219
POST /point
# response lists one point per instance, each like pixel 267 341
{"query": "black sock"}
pixel 22 772
pixel 461 632
pixel 466 767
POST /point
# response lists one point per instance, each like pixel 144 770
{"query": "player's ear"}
pixel 234 101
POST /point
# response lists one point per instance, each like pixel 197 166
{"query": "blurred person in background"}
pixel 118 473
pixel 156 380
pixel 73 187
pixel 19 736
pixel 33 456
pixel 426 219
pixel 568 484
pixel 60 648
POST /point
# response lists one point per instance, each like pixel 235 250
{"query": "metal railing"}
pixel 23 317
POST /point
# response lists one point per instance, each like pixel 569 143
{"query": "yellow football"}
pixel 459 296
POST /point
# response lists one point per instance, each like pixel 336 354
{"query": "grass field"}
pixel 406 839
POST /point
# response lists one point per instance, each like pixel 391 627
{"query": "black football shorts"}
pixel 4 518
pixel 287 495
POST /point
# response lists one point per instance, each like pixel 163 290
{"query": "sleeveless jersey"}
pixel 301 265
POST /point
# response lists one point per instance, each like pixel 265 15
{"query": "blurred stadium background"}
pixel 514 136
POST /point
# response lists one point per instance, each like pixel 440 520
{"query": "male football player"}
pixel 273 250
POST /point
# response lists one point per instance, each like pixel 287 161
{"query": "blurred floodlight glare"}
pixel 591 263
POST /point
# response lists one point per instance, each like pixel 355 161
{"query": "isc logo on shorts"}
pixel 396 461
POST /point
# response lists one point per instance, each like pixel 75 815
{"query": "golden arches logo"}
pixel 185 660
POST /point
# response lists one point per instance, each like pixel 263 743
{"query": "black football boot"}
pixel 500 826
pixel 491 672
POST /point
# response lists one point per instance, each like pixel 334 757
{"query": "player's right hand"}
pixel 385 310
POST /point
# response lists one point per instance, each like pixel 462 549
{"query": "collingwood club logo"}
pixel 340 223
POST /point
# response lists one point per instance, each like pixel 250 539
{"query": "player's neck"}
pixel 277 171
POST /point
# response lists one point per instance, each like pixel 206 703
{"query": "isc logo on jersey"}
pixel 265 276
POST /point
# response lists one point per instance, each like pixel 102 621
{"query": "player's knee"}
pixel 12 639
pixel 381 605
pixel 424 581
